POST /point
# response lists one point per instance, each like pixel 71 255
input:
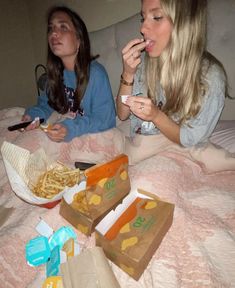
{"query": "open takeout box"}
pixel 136 237
pixel 130 234
pixel 104 188
pixel 21 167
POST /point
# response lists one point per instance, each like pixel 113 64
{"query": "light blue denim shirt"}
pixel 197 130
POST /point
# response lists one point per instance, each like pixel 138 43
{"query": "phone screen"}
pixel 84 165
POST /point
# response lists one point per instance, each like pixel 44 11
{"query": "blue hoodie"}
pixel 97 104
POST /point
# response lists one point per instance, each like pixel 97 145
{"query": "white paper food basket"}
pixel 15 166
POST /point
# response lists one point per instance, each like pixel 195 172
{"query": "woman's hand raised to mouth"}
pixel 131 57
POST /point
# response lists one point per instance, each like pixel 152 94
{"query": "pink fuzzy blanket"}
pixel 197 251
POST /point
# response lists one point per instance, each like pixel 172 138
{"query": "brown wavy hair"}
pixel 55 87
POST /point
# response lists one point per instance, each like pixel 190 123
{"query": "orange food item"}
pixel 126 217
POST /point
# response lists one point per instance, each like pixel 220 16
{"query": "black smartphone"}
pixel 22 125
pixel 84 165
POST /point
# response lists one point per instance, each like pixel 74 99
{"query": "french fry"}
pixel 55 180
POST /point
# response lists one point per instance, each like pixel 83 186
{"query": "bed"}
pixel 197 251
pixel 199 248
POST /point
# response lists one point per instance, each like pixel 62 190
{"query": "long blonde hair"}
pixel 181 68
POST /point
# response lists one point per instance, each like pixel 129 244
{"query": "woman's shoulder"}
pixel 215 71
pixel 97 68
pixel 216 80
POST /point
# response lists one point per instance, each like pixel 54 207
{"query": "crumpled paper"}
pixel 90 269
pixel 23 169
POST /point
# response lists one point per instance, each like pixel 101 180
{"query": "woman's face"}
pixel 156 27
pixel 62 37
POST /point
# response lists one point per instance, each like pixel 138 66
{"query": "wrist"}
pixel 157 118
pixel 158 114
pixel 126 81
pixel 128 76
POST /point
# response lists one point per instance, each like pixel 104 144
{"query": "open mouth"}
pixel 149 44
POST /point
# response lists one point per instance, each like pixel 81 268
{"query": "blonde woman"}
pixel 177 88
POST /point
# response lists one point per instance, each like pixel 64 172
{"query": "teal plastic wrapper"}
pixel 37 251
pixel 61 236
pixel 53 264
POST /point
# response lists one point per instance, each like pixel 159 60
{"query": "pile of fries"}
pixel 55 180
